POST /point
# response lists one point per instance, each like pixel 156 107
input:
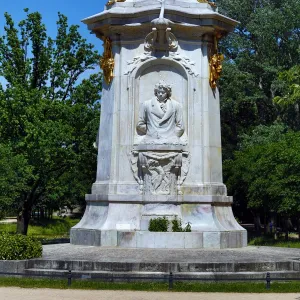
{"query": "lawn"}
pixel 232 287
pixel 45 228
pixel 293 241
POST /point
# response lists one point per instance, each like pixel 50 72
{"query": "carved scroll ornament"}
pixel 107 61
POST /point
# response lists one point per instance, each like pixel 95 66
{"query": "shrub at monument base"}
pixel 16 247
pixel 159 224
pixel 162 224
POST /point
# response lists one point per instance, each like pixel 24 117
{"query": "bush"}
pixel 16 247
pixel 159 224
pixel 176 225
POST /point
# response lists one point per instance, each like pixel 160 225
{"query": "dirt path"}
pixel 52 294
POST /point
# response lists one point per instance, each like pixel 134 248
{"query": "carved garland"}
pixel 107 61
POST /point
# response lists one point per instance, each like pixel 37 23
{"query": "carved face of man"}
pixel 161 94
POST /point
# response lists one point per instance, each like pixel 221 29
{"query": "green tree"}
pixel 49 113
pixel 266 171
pixel 265 43
pixel 287 88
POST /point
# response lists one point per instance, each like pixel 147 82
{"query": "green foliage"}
pixel 159 224
pixel 287 88
pixel 162 224
pixel 177 226
pixel 264 44
pixel 54 228
pixel 49 116
pixel 17 247
pixel 188 227
pixel 268 173
pixel 212 287
pixel 270 241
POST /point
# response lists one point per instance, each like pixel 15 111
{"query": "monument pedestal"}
pixel 113 223
pixel 159 150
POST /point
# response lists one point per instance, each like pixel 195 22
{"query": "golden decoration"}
pixel 107 61
pixel 110 2
pixel 213 4
pixel 215 63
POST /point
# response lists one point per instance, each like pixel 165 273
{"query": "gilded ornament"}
pixel 107 61
pixel 213 4
pixel 215 64
pixel 111 2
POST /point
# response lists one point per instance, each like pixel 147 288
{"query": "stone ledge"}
pixel 178 199
pixel 157 240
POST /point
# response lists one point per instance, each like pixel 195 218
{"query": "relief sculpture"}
pixel 160 171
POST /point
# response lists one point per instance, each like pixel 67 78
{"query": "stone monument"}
pixel 159 152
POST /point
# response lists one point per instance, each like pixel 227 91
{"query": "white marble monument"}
pixel 159 151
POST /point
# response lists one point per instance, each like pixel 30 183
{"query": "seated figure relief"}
pixel 160 119
pixel 161 172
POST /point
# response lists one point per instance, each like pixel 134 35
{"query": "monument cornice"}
pixel 206 21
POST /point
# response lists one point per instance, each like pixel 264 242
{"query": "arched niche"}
pixel 150 73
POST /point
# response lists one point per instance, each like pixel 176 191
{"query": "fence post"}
pixel 268 281
pixel 69 278
pixel 170 281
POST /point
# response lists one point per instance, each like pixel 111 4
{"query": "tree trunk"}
pixel 265 224
pixel 286 229
pixel 298 228
pixel 23 220
pixel 257 223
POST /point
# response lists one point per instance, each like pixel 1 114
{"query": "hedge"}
pixel 17 247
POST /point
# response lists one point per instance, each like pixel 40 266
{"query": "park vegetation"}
pixel 50 114
pixel 260 96
pixel 18 247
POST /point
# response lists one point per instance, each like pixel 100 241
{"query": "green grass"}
pixel 270 241
pixel 45 229
pixel 234 287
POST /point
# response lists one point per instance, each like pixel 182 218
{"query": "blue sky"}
pixel 75 10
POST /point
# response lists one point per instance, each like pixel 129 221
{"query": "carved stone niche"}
pixel 160 172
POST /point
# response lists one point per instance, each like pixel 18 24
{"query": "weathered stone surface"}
pixel 159 148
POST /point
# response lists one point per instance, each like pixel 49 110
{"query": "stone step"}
pixel 164 277
pixel 162 267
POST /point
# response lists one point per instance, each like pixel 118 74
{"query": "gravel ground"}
pixel 50 294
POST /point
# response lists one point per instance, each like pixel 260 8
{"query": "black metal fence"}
pixel 169 278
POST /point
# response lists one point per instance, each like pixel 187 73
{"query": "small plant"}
pixel 176 225
pixel 162 224
pixel 15 247
pixel 188 227
pixel 158 224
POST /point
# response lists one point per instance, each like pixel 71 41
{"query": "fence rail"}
pixel 168 277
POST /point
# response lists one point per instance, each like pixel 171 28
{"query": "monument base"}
pixel 147 239
pixel 109 222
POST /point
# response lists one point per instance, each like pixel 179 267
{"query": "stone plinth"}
pixel 159 154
